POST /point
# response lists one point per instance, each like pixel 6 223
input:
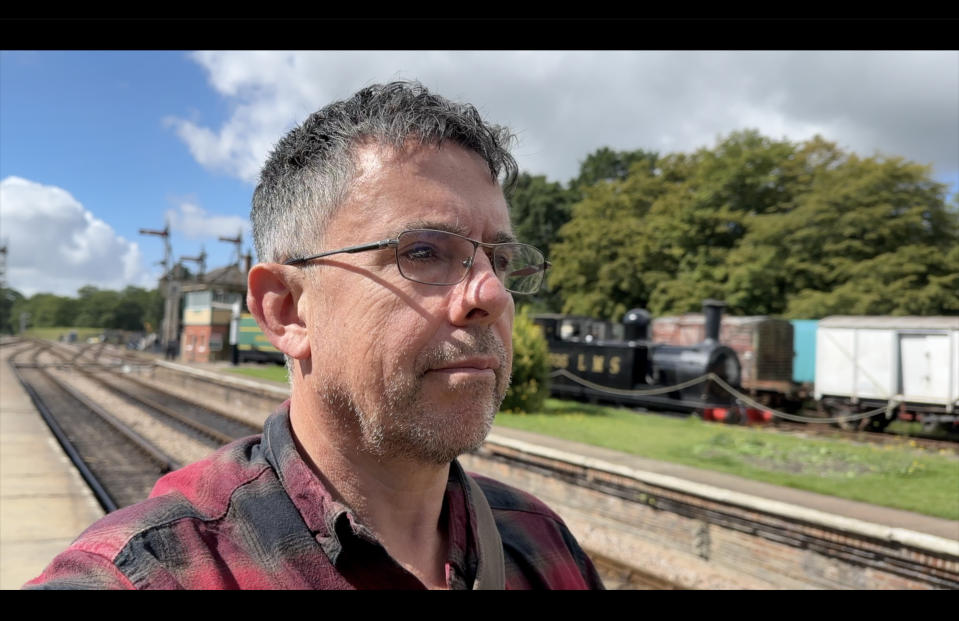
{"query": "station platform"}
pixel 44 503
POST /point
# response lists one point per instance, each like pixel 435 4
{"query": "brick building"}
pixel 209 306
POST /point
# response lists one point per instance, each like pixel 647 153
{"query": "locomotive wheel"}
pixel 931 425
pixel 733 416
pixel 852 425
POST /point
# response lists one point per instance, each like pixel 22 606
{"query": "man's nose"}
pixel 481 297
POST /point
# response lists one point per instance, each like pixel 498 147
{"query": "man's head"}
pixel 311 170
pixel 403 368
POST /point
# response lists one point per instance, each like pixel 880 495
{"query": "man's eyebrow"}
pixel 436 226
pixel 504 237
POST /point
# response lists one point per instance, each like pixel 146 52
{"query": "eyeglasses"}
pixel 442 258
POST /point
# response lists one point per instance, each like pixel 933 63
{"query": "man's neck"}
pixel 400 500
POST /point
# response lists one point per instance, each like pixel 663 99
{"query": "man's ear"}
pixel 273 295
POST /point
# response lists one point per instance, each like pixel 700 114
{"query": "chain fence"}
pixel 741 397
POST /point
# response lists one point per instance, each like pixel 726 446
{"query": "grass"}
pixel 274 372
pixel 898 475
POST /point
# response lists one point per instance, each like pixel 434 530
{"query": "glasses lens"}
pixel 433 257
pixel 520 267
pixel 441 258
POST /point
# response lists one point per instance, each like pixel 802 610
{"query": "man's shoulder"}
pixel 209 483
pixel 199 493
pixel 504 498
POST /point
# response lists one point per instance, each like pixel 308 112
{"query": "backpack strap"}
pixel 491 566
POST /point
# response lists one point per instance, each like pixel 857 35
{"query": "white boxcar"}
pixel 870 360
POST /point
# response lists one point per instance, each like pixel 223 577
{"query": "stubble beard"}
pixel 404 423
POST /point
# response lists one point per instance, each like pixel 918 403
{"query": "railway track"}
pixel 218 427
pixel 192 417
pixel 148 431
pixel 119 477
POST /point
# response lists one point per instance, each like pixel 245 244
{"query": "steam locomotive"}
pixel 601 361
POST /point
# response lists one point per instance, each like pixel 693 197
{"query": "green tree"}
pixel 606 262
pixel 138 309
pixel 133 309
pixel 97 307
pixel 867 236
pixel 9 298
pixel 538 208
pixel 605 164
pixel 46 309
pixel 769 226
pixel 710 212
pixel 530 374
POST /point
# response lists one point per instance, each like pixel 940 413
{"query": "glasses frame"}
pixel 394 243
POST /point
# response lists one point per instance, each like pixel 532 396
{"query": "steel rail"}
pixel 216 434
pixel 154 386
pixel 99 491
pixel 199 427
pixel 166 462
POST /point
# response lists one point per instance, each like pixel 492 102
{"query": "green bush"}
pixel 530 385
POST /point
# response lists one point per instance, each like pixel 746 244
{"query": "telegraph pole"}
pixel 167 250
pixel 171 303
pixel 237 309
pixel 238 243
pixel 3 283
pixel 3 264
pixel 200 259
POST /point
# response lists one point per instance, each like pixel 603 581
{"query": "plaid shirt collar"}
pixel 337 528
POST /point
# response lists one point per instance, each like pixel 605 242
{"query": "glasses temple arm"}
pixel 379 245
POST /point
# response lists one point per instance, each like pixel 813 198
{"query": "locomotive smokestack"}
pixel 636 325
pixel 713 309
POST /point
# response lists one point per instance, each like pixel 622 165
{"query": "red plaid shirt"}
pixel 253 516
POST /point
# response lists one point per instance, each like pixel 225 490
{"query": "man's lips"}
pixel 468 365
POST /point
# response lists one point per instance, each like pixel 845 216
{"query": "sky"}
pixel 96 145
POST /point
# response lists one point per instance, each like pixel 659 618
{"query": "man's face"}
pixel 411 370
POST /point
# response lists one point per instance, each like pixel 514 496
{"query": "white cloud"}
pixel 55 245
pixel 194 222
pixel 566 104
pixel 270 91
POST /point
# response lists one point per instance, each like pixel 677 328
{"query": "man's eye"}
pixel 501 261
pixel 420 253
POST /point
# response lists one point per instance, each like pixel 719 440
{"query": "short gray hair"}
pixel 309 172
